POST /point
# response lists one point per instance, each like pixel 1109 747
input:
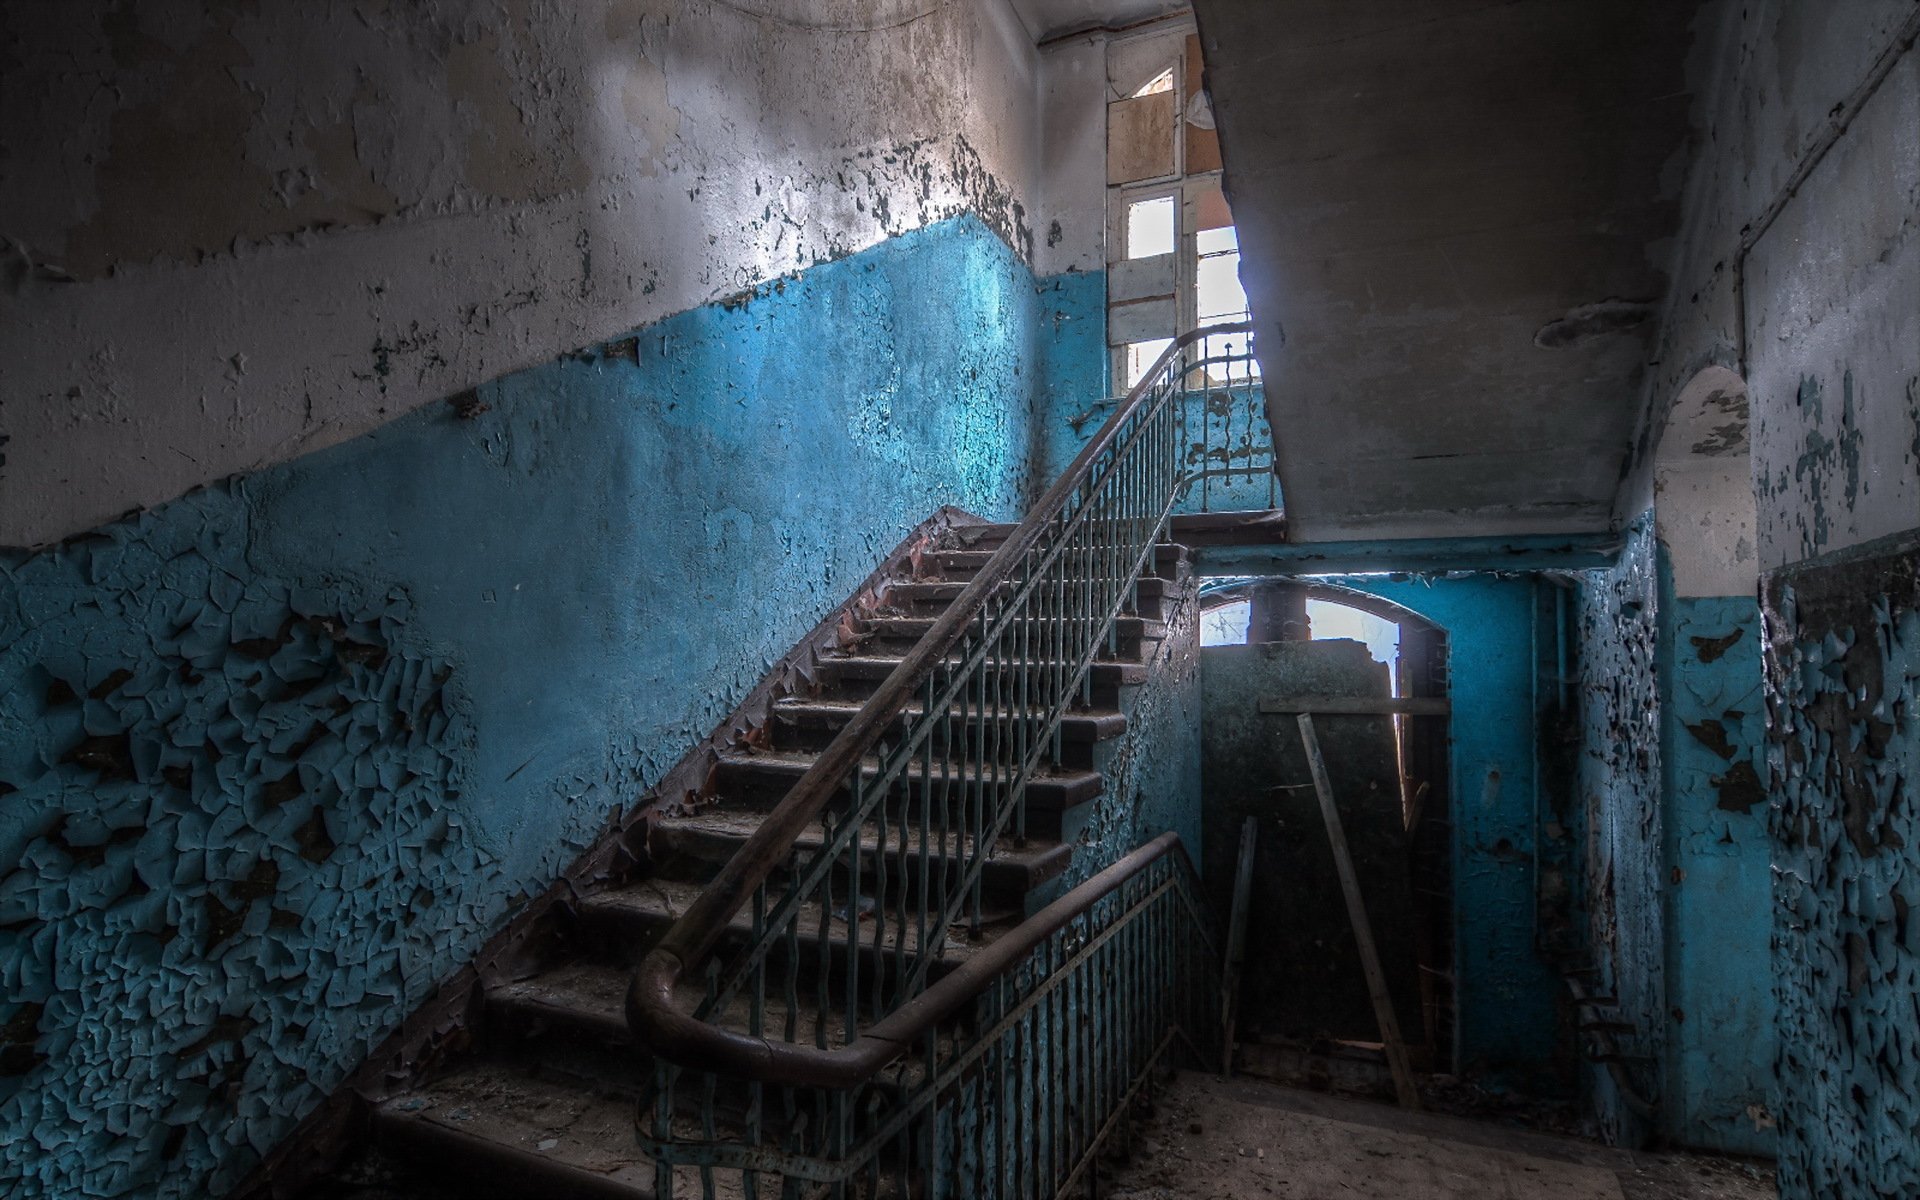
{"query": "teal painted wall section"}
pixel 1074 369
pixel 1718 1090
pixel 1843 758
pixel 1620 772
pixel 1677 873
pixel 276 757
pixel 1506 991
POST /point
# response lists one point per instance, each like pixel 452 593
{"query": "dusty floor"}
pixel 1209 1139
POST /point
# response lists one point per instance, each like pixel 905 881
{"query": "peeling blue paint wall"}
pixel 1619 780
pixel 1506 993
pixel 1676 879
pixel 1718 1087
pixel 1843 756
pixel 276 757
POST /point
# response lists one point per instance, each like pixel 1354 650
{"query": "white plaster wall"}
pixel 1834 303
pixel 1074 155
pixel 1703 513
pixel 233 237
pixel 1830 287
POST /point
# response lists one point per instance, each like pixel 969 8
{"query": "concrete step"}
pixel 763 779
pixel 897 635
pixel 700 844
pixel 807 725
pixel 504 1132
pixel 965 563
pixel 630 919
pixel 856 676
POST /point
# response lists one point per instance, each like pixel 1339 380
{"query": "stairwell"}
pixel 544 1103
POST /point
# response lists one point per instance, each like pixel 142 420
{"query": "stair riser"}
pixel 744 788
pixel 1005 881
pixel 842 680
pixel 1077 745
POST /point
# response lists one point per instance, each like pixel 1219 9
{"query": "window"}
pixel 1226 625
pixel 1163 82
pixel 1327 621
pixel 1141 356
pixel 1150 227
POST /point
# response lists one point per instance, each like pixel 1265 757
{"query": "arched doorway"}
pixel 1386 728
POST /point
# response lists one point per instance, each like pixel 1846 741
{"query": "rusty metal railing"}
pixel 841 941
pixel 1004 1078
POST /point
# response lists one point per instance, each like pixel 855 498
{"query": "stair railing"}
pixel 989 683
pixel 1004 1078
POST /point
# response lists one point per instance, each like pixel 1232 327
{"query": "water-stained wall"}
pixel 277 756
pixel 238 233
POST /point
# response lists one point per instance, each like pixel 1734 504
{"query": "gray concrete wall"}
pixel 233 235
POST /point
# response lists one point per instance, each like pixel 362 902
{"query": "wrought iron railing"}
pixel 912 795
pixel 1004 1078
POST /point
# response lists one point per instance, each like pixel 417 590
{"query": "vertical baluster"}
pixel 881 874
pixel 790 974
pixel 979 784
pixel 851 942
pixel 663 1078
pixel 708 1081
pixel 942 725
pixel 757 1025
pixel 823 940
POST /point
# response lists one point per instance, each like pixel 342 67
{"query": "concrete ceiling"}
pixel 1458 214
pixel 1050 18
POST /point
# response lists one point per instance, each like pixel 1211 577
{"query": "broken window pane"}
pixel 1150 227
pixel 1226 625
pixel 1163 82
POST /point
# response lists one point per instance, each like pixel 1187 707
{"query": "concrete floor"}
pixel 1210 1139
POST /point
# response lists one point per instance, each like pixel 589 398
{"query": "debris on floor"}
pixel 1213 1139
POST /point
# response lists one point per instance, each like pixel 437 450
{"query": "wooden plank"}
pixel 1236 942
pixel 1403 1084
pixel 1140 279
pixel 1360 706
pixel 1140 138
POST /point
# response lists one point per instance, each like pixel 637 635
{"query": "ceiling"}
pixel 1454 220
pixel 1050 18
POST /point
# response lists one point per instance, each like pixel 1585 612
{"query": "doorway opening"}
pixel 1411 652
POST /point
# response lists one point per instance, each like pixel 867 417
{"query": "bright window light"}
pixel 1327 621
pixel 1141 356
pixel 1163 82
pixel 1226 625
pixel 1150 227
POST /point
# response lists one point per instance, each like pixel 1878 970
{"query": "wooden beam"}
pixel 1236 943
pixel 1360 706
pixel 1403 1084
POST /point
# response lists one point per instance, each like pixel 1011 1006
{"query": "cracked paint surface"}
pixel 278 756
pixel 1843 754
pixel 235 235
pixel 1619 778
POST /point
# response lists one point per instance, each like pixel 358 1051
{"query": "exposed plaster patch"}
pixel 1590 321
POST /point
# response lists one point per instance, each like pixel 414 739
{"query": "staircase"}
pixel 545 1105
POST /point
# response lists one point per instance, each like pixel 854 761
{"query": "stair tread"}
pixel 1102 723
pixel 729 824
pixel 500 1123
pixel 663 901
pixel 1072 781
pixel 592 995
pixel 885 663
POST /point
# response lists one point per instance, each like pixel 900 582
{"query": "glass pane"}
pixel 1163 82
pixel 1141 357
pixel 1217 241
pixel 1226 625
pixel 1217 282
pixel 1150 227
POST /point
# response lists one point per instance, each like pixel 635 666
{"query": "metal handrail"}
pixel 679 1036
